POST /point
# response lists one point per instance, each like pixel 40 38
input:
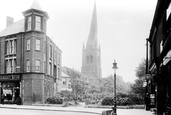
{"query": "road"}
pixel 5 111
pixel 8 111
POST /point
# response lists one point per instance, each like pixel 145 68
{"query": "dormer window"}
pixel 29 23
pixel 38 23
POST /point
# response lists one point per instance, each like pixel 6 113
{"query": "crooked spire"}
pixel 92 38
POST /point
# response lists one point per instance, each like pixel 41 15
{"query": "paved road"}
pixel 5 111
pixel 44 110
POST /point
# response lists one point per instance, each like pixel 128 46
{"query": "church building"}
pixel 91 53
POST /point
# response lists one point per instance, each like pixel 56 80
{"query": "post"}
pixel 114 91
pixel 114 106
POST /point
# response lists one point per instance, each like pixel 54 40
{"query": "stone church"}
pixel 91 53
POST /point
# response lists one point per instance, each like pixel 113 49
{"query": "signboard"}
pixel 9 77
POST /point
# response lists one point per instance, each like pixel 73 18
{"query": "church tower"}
pixel 91 53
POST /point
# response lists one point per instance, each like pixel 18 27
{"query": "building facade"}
pixel 91 54
pixel 159 68
pixel 66 82
pixel 30 62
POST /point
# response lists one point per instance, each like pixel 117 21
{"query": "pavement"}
pixel 81 109
pixel 55 108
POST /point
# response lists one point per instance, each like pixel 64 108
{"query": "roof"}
pixel 65 75
pixel 14 28
pixel 36 5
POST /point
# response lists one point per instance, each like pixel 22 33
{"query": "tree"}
pixel 137 88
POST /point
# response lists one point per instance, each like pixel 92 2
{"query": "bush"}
pixel 124 99
pixel 107 101
pixel 54 100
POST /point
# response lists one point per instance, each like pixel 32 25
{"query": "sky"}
pixel 123 26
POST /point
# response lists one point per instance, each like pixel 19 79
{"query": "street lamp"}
pixel 114 106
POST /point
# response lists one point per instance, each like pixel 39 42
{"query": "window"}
pixel 38 23
pixel 10 67
pixel 15 65
pixel 37 65
pixel 28 66
pixel 7 68
pixel 50 51
pixel 11 46
pixel 64 81
pixel 37 44
pixel 15 46
pixel 6 47
pixel 29 23
pixel 28 44
pixel 50 68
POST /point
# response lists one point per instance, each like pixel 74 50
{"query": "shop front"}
pixel 10 88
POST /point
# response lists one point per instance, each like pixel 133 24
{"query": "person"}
pixel 2 99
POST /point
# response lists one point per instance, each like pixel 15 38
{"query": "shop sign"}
pixel 9 77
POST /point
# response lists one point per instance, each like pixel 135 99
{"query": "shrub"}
pixel 54 100
pixel 107 101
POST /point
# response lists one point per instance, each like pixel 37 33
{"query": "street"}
pixel 5 111
pixel 26 111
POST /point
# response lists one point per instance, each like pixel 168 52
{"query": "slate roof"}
pixel 36 5
pixel 14 28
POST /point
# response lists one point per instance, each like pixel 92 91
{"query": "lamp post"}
pixel 114 106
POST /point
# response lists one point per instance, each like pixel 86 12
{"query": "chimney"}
pixel 9 21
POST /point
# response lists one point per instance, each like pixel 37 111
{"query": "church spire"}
pixel 92 38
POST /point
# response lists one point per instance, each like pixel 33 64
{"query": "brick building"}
pixel 30 62
pixel 158 90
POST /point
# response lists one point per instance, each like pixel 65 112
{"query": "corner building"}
pixel 30 62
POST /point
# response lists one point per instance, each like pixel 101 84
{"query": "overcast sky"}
pixel 123 26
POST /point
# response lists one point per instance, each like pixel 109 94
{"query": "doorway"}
pixel 10 92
